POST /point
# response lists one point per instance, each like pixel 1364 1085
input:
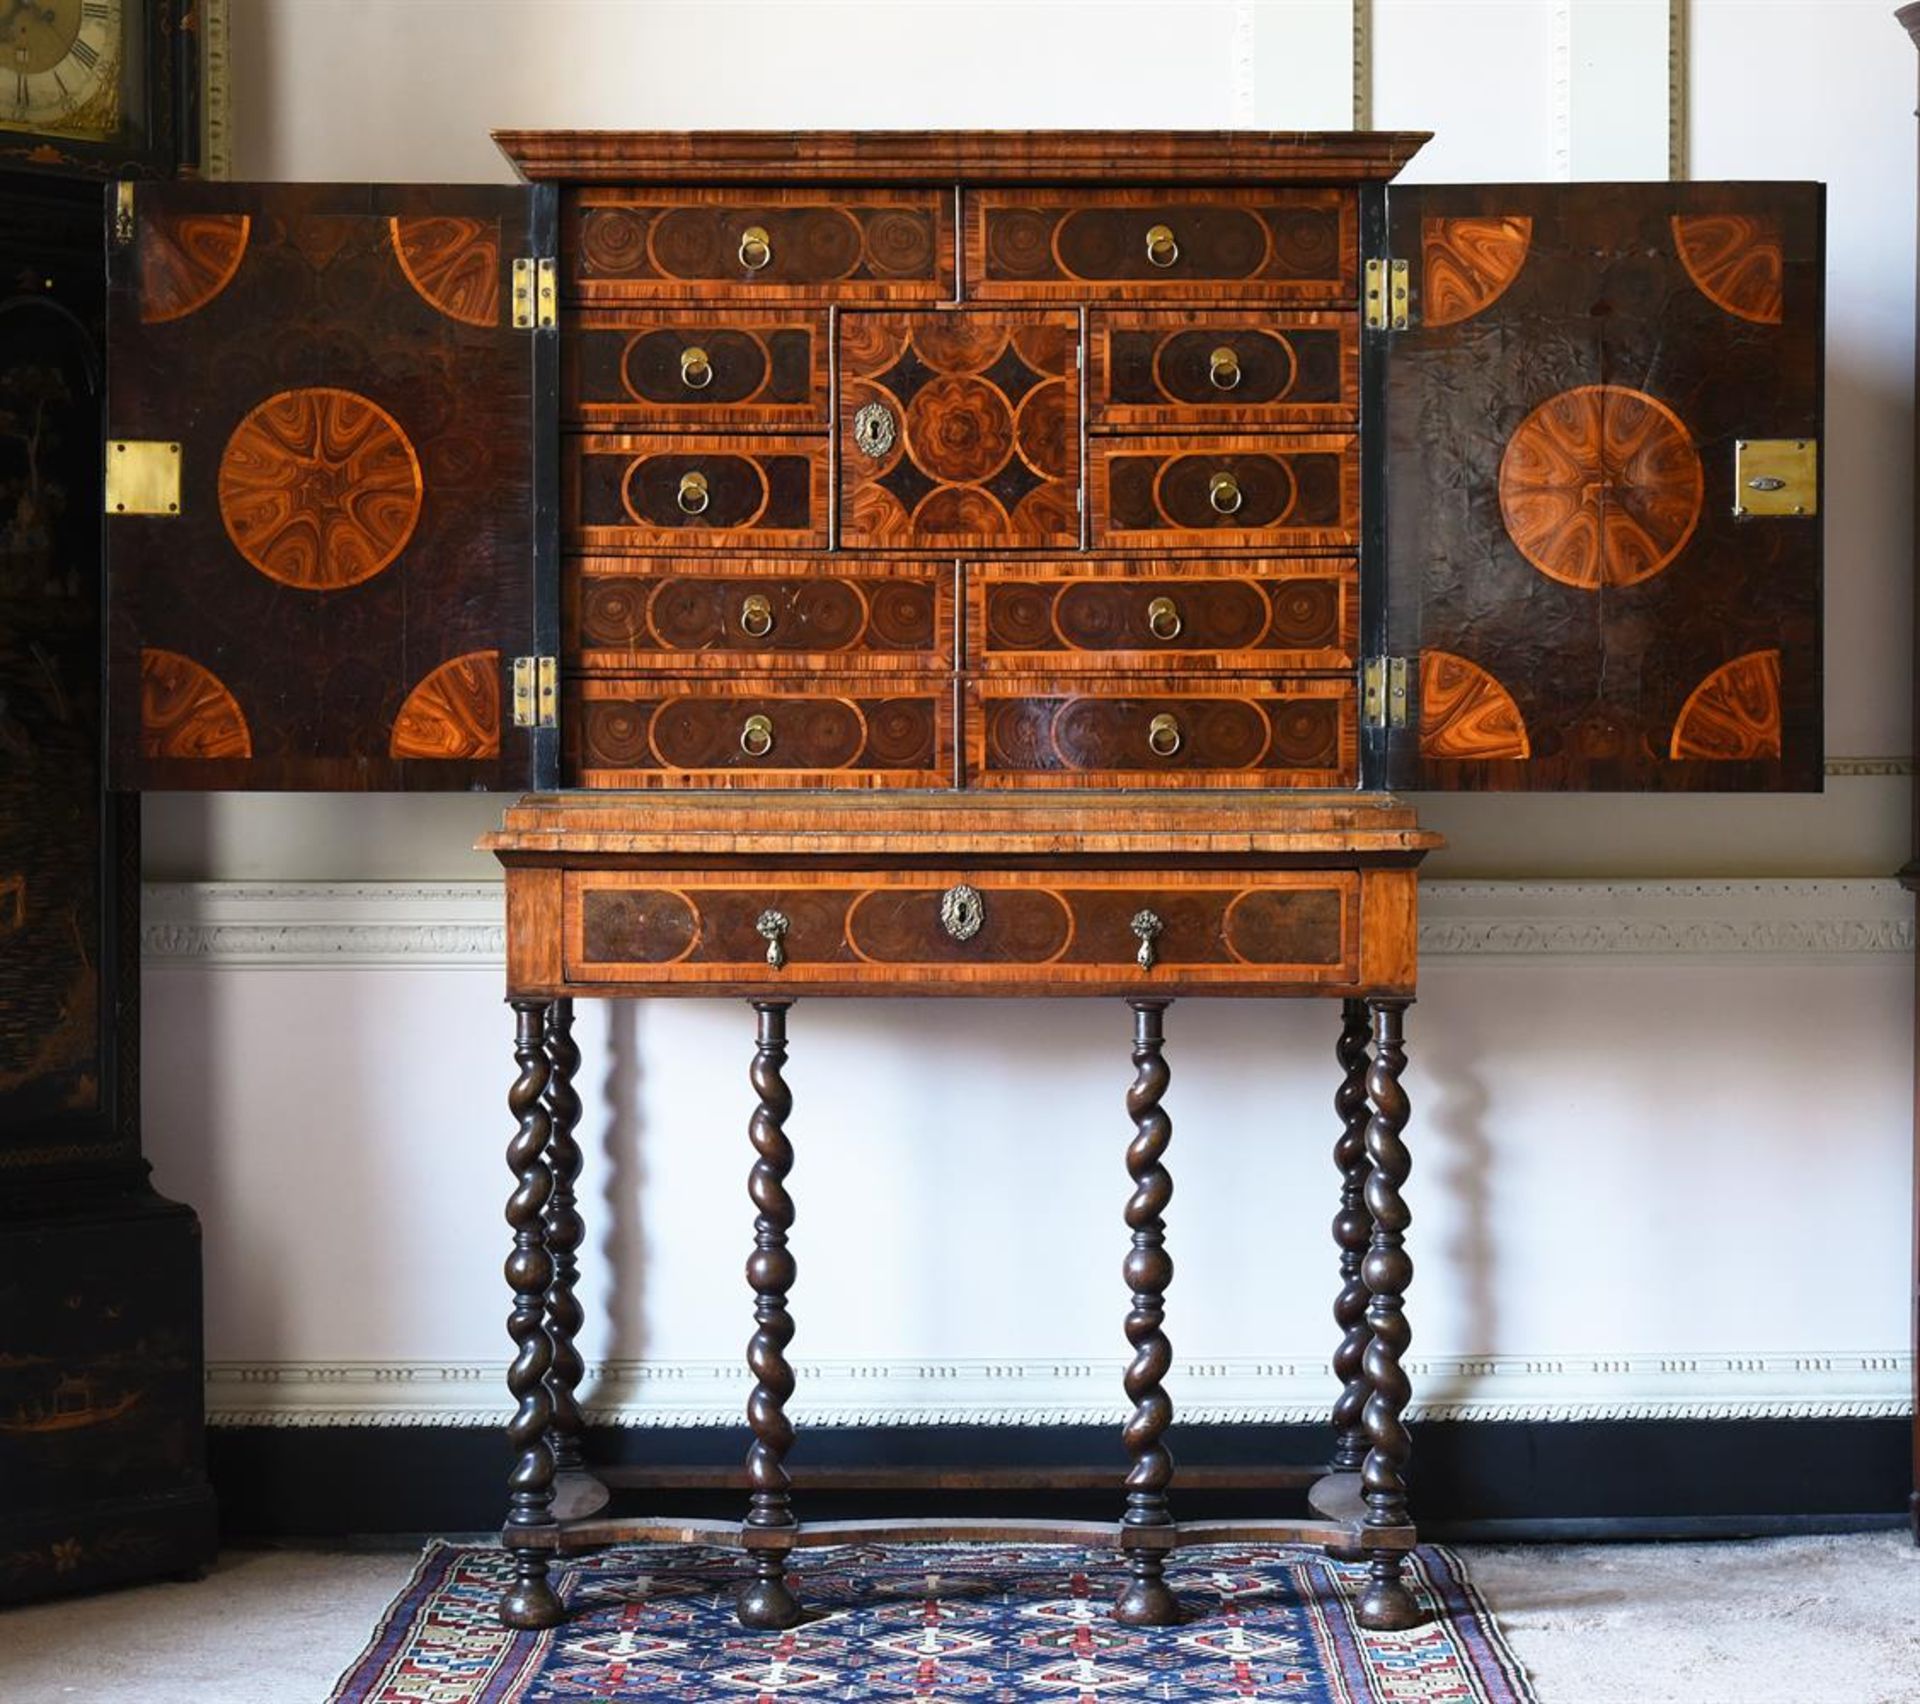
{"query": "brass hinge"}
pixel 1776 476
pixel 143 477
pixel 1387 295
pixel 122 214
pixel 1383 692
pixel 536 294
pixel 536 692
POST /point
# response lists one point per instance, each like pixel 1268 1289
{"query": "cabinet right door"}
pixel 1603 533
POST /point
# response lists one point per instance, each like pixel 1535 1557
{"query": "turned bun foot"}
pixel 530 1606
pixel 1386 1606
pixel 767 1605
pixel 1147 1603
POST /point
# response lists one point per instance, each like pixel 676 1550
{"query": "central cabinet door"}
pixel 960 429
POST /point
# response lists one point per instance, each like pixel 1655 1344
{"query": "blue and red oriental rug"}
pixel 967 1623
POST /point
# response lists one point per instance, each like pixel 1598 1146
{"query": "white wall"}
pixel 1633 1166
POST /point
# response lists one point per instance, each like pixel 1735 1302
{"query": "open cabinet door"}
pixel 320 485
pixel 1603 536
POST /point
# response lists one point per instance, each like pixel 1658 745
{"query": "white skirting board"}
pixel 1650 1117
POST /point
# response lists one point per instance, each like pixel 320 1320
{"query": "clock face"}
pixel 60 65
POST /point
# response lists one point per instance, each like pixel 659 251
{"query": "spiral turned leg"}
pixel 1146 1600
pixel 577 1492
pixel 1386 1605
pixel 1352 1231
pixel 530 1601
pixel 766 1601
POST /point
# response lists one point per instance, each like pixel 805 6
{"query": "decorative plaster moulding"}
pixel 457 925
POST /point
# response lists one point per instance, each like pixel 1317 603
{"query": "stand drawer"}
pixel 962 930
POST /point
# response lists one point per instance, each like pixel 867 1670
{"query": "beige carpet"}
pixel 1810 1620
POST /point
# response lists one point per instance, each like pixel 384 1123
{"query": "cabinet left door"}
pixel 324 482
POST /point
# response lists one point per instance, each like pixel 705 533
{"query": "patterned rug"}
pixel 968 1623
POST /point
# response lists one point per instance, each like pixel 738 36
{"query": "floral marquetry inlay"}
pixel 320 489
pixel 1600 486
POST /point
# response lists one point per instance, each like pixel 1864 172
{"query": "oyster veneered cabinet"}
pixel 1519 483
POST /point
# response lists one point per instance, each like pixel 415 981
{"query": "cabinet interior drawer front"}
pixel 1297 489
pixel 1266 245
pixel 960 430
pixel 685 492
pixel 624 616
pixel 834 244
pixel 1222 369
pixel 1268 614
pixel 626 368
pixel 1133 731
pixel 810 731
pixel 963 927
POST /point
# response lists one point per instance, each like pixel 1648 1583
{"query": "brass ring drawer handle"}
pixel 756 736
pixel 1163 735
pixel 692 495
pixel 1223 368
pixel 1223 492
pixel 1163 618
pixel 756 248
pixel 1146 926
pixel 1162 250
pixel 756 616
pixel 696 371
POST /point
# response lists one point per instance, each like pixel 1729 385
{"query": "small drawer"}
pixel 1129 731
pixel 1272 615
pixel 623 616
pixel 627 492
pixel 841 245
pixel 809 731
pixel 627 369
pixel 961 931
pixel 1258 245
pixel 1222 369
pixel 1298 490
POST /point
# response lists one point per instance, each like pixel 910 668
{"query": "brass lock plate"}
pixel 1776 476
pixel 143 477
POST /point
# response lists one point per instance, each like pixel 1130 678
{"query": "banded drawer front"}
pixel 1135 731
pixel 957 930
pixel 852 615
pixel 1296 491
pixel 818 730
pixel 627 369
pixel 1222 369
pixel 1270 614
pixel 846 245
pixel 1278 245
pixel 679 492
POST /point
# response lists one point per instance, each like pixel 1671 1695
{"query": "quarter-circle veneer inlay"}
pixel 1601 486
pixel 453 713
pixel 187 711
pixel 1466 713
pixel 453 265
pixel 1468 264
pixel 1734 714
pixel 320 488
pixel 187 259
pixel 1737 261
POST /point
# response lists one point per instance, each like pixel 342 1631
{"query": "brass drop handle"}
pixel 692 495
pixel 756 735
pixel 696 371
pixel 1223 492
pixel 1163 618
pixel 772 926
pixel 1162 250
pixel 1146 926
pixel 1163 735
pixel 1223 368
pixel 756 616
pixel 756 248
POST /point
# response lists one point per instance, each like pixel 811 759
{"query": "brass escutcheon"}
pixel 1163 618
pixel 873 429
pixel 962 911
pixel 756 735
pixel 1163 735
pixel 756 616
pixel 692 495
pixel 756 247
pixel 1162 250
pixel 696 371
pixel 1223 492
pixel 1223 368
